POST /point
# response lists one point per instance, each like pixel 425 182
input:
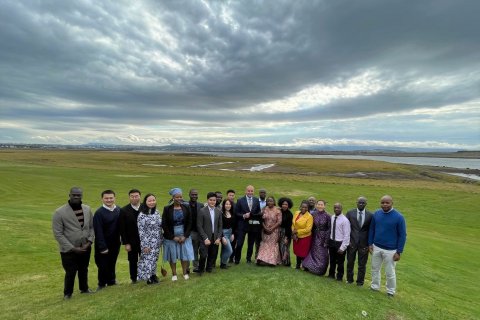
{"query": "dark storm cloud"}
pixel 151 61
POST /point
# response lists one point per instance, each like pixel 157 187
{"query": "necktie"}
pixel 249 203
pixel 360 218
pixel 334 227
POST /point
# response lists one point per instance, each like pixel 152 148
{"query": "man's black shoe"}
pixel 88 291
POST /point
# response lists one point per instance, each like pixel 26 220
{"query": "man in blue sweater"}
pixel 386 240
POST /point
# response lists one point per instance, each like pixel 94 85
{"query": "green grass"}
pixel 436 277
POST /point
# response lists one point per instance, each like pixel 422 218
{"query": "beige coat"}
pixel 67 229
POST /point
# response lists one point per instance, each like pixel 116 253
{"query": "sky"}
pixel 307 74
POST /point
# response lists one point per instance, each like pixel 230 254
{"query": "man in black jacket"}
pixel 129 231
pixel 360 219
pixel 195 207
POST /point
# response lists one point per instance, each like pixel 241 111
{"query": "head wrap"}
pixel 175 191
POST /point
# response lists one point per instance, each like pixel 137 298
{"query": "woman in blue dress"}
pixel 177 225
pixel 149 225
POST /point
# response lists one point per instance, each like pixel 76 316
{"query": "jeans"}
pixel 226 249
pixel 382 256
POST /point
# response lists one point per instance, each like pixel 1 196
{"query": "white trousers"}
pixel 381 256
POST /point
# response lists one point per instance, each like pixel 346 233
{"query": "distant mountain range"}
pixel 235 148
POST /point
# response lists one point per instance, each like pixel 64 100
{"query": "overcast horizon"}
pixel 244 73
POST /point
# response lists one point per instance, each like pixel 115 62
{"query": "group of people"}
pixel 192 232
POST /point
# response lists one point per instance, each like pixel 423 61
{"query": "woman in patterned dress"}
pixel 302 233
pixel 149 225
pixel 269 252
pixel 177 225
pixel 317 260
pixel 285 239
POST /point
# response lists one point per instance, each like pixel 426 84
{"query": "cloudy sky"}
pixel 275 73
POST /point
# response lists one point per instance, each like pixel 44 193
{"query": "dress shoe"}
pixel 209 270
pixel 67 297
pixel 88 291
pixel 154 278
pixel 114 283
pixel 196 270
pixel 100 288
pixel 237 262
pixel 359 284
pixel 223 266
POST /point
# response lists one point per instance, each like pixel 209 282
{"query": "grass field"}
pixel 436 277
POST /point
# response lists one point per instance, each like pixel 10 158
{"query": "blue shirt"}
pixel 388 230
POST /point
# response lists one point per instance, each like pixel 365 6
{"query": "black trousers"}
pixel 106 264
pixel 133 257
pixel 337 260
pixel 254 238
pixel 352 252
pixel 240 235
pixel 73 263
pixel 208 256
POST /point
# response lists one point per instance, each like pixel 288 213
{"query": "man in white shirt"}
pixel 338 243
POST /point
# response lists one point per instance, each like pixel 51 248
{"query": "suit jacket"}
pixel 204 224
pixel 67 229
pixel 168 223
pixel 254 223
pixel 194 209
pixel 359 236
pixel 127 222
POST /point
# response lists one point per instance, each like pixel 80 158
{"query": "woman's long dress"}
pixel 150 232
pixel 285 233
pixel 269 251
pixel 317 259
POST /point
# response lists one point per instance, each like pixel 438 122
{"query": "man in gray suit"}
pixel 72 226
pixel 209 227
pixel 360 219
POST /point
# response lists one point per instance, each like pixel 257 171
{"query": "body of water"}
pixel 459 163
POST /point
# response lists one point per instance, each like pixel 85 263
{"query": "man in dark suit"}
pixel 360 219
pixel 72 226
pixel 249 219
pixel 129 231
pixel 209 227
pixel 195 207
